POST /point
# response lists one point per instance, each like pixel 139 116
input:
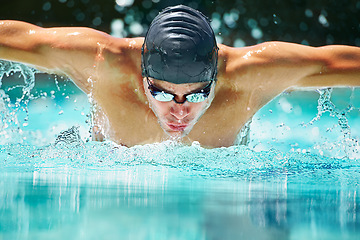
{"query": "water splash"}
pixel 11 125
pixel 237 162
pixel 349 145
pixel 35 115
pixel 69 138
pixel 326 105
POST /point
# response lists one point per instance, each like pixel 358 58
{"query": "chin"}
pixel 176 134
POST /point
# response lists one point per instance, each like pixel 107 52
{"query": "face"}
pixel 178 117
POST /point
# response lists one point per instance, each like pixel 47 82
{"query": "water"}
pixel 161 192
pixel 298 178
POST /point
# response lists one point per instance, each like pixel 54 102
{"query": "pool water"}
pixel 297 178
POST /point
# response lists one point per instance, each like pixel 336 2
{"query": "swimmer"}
pixel 177 82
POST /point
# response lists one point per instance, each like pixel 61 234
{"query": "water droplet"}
pixel 308 13
pixel 124 3
pixel 46 6
pixel 276 19
pixel 323 20
pixel 256 33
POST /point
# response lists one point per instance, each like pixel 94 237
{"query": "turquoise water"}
pixel 298 178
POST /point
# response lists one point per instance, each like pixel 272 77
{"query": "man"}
pixel 178 83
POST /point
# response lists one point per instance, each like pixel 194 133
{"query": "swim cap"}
pixel 180 47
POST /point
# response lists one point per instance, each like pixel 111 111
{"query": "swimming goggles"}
pixel 195 97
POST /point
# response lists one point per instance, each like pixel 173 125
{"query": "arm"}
pixel 267 69
pixel 70 51
pixel 340 67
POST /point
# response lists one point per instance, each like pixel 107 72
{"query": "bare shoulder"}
pixel 80 49
pixel 269 59
pixel 124 50
pixel 264 53
pixel 88 40
pixel 265 70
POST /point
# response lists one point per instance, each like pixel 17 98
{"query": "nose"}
pixel 179 111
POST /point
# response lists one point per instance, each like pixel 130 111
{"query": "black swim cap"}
pixel 180 47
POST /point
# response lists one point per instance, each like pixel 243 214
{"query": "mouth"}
pixel 177 127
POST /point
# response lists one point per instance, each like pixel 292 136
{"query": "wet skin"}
pixel 109 69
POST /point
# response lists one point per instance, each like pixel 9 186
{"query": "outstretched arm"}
pixel 267 69
pixel 70 51
pixel 340 67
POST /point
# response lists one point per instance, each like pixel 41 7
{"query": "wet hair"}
pixel 180 47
